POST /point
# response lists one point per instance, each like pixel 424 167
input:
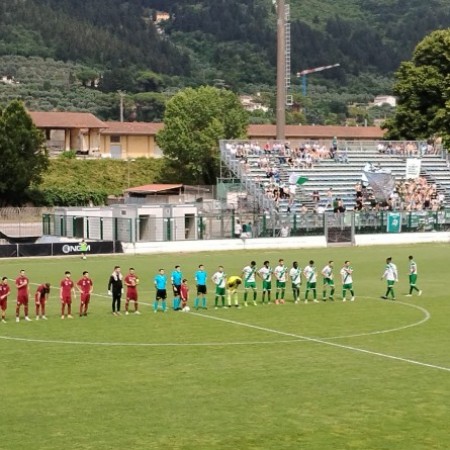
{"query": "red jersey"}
pixel 184 292
pixel 85 284
pixel 22 284
pixel 66 287
pixel 4 291
pixel 42 290
pixel 130 282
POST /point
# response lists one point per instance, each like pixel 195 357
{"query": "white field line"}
pixel 324 342
pixel 176 344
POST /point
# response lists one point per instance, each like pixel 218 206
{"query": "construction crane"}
pixel 303 74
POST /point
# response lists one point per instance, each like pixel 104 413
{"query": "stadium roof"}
pixel 317 132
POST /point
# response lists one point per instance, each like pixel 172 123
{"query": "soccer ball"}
pixel 186 309
pixel 137 280
pixel 83 257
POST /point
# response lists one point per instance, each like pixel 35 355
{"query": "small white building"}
pixel 381 100
pixel 129 223
pixel 249 104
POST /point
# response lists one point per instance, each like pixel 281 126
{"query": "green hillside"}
pixel 76 54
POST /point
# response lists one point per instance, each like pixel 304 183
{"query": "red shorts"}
pixel 22 299
pixel 3 304
pixel 132 295
pixel 40 300
pixel 85 298
pixel 66 300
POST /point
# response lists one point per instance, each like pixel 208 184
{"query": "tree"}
pixel 422 88
pixel 194 122
pixel 24 156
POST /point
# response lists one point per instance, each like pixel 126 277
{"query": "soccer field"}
pixel 369 374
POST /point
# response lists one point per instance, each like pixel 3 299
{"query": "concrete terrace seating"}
pixel 341 177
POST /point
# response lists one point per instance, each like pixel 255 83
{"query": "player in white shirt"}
pixel 265 273
pixel 390 274
pixel 280 273
pixel 249 276
pixel 347 281
pixel 311 281
pixel 295 274
pixel 219 279
pixel 328 281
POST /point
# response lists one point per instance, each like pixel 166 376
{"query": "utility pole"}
pixel 121 95
pixel 281 70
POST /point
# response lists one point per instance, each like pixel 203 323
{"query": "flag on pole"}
pixel 295 178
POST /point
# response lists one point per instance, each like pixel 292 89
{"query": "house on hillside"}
pixel 249 104
pixel 381 100
pixel 65 131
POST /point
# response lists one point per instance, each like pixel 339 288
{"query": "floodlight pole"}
pixel 281 70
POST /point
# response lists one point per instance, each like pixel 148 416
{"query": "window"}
pixel 115 138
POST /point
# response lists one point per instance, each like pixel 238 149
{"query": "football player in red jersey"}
pixel 66 293
pixel 131 281
pixel 22 295
pixel 4 292
pixel 184 293
pixel 40 300
pixel 85 286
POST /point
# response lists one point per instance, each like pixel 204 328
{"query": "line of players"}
pixel 281 274
pixel 224 287
pixel 67 294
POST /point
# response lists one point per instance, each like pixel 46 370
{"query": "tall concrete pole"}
pixel 281 69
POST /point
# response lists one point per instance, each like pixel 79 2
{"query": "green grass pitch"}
pixel 369 374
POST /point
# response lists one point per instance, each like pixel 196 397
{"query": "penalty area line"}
pixel 324 342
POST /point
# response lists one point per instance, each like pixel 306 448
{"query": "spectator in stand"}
pixel 316 197
pixel 329 202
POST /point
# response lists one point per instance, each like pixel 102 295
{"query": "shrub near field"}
pixel 72 182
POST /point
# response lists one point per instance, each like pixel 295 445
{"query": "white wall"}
pixel 280 243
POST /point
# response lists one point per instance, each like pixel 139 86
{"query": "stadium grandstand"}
pixel 322 176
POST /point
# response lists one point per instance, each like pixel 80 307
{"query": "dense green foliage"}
pixel 23 154
pixel 120 34
pixel 215 42
pixel 422 87
pixel 71 182
pixel 195 120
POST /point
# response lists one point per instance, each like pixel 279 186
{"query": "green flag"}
pixel 301 180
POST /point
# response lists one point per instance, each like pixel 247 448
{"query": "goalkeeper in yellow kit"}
pixel 233 283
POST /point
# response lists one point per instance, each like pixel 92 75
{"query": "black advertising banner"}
pixel 93 248
pixel 35 249
pixel 59 249
pixel 8 251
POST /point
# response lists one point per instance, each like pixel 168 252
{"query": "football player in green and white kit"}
pixel 219 279
pixel 328 281
pixel 280 273
pixel 311 281
pixel 248 274
pixel 347 281
pixel 413 277
pixel 391 275
pixel 265 273
pixel 295 274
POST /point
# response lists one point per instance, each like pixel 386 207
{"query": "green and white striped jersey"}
pixel 310 274
pixel 280 273
pixel 249 274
